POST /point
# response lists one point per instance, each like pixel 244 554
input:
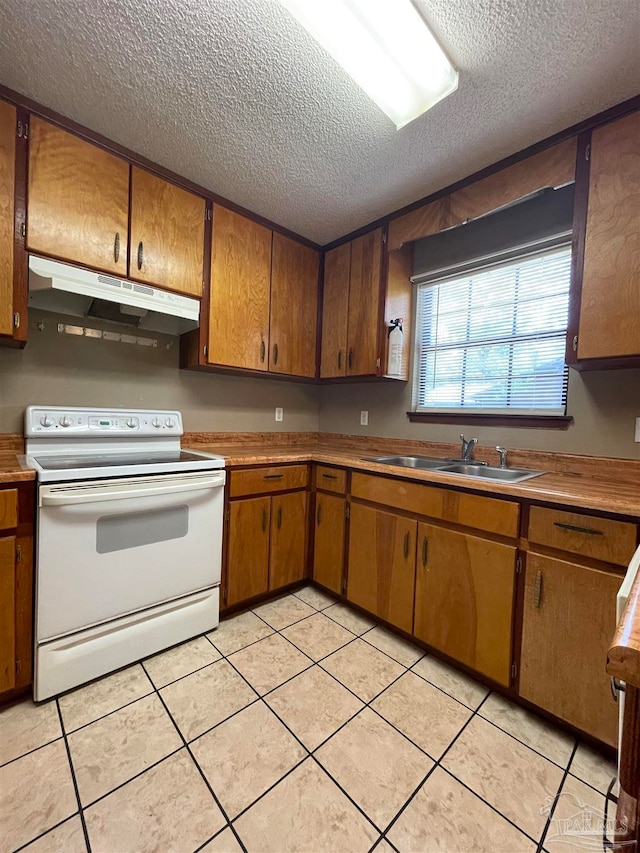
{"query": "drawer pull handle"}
pixel 140 255
pixel 425 550
pixel 319 514
pixel 275 353
pixel 537 590
pixel 577 529
pixel 350 361
pixel 264 520
pixel 116 248
pixel 273 476
pixel 279 518
pixel 406 545
pixel 263 351
pixel 330 476
pixel 339 359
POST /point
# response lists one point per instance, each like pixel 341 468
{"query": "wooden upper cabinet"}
pixel 8 118
pixel 464 599
pixel 78 200
pixel 167 234
pixel 364 304
pixel 240 289
pixel 609 322
pixel 335 311
pixel 569 618
pixel 294 307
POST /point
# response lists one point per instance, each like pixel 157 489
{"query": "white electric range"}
pixel 129 540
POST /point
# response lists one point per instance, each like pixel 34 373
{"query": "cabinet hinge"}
pixel 587 152
pixel 343 588
pixel 519 565
pixel 226 514
pixel 18 666
pixel 347 511
pixel 205 350
pixel 514 669
pixel 378 362
pixel 18 554
pixel 16 320
pixel 23 229
pixel 207 214
pixel 22 130
pixel 384 236
pixel 574 343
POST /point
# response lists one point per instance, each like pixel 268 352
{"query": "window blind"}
pixel 492 340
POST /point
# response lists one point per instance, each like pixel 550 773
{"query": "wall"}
pixel 59 369
pixel 604 405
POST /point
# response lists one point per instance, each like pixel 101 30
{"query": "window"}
pixel 491 340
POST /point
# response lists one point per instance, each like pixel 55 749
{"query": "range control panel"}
pixel 85 422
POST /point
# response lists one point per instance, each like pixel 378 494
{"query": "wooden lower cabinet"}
pixel 382 564
pixel 568 621
pixel 328 543
pixel 288 539
pixel 248 551
pixel 266 545
pixel 464 598
pixel 7 612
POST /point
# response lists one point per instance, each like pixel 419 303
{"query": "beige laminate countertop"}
pixel 11 471
pixel 594 493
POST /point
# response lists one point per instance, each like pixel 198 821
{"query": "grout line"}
pixel 199 769
pixel 46 832
pixel 108 714
pixel 74 780
pixel 30 751
pixel 555 801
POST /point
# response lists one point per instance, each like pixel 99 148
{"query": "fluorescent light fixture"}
pixel 386 47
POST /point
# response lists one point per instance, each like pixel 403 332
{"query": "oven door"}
pixel 112 547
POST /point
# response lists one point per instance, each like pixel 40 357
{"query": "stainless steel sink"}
pixel 465 469
pixel 487 472
pixel 426 463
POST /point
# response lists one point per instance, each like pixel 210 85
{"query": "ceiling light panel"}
pixel 386 47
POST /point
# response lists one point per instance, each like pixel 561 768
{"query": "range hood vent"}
pixel 79 292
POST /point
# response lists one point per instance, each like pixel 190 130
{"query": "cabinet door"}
pixel 335 311
pixel 7 613
pixel 78 202
pixel 239 293
pixel 288 539
pixel 294 307
pixel 248 552
pixel 8 118
pixel 464 598
pixel 364 304
pixel 328 546
pixel 382 563
pixel 568 621
pixel 610 302
pixel 167 234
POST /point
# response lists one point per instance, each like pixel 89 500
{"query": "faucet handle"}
pixel 503 455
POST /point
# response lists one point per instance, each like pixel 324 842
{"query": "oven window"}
pixel 135 529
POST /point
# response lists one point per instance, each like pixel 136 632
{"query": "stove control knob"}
pixel 170 423
pixel 65 421
pixel 157 423
pixel 46 421
pixel 131 423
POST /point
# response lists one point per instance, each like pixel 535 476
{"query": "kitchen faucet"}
pixel 467 447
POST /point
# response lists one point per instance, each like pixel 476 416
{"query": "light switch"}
pixel 279 413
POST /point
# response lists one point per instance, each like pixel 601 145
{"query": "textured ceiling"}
pixel 234 95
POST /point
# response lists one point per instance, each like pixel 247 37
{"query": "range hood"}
pixel 65 289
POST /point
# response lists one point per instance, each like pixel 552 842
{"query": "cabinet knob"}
pixel 140 255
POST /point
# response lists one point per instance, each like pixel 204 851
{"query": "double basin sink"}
pixel 461 467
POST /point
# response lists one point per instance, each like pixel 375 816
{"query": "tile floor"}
pixel 298 726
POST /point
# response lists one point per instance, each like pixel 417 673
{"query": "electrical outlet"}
pixel 364 418
pixel 637 438
pixel 279 413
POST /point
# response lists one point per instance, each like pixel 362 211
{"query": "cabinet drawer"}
pixel 490 514
pixel 588 535
pixel 331 479
pixel 8 509
pixel 278 478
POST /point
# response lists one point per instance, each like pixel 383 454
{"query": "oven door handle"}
pixel 123 492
